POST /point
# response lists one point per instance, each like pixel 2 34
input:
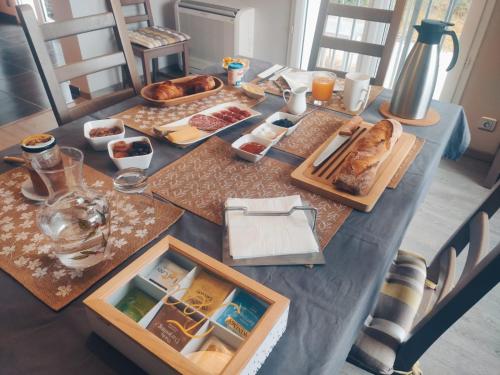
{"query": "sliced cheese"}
pixel 186 134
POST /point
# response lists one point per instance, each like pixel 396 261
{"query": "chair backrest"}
pixel 382 51
pixel 37 36
pixel 147 16
pixel 479 276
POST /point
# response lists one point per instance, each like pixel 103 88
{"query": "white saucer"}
pixel 28 191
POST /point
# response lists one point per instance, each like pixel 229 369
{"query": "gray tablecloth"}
pixel 328 303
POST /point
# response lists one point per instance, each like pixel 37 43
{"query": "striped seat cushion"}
pixel 377 344
pixel 156 36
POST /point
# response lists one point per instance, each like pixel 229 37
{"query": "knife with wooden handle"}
pixel 14 160
pixel 345 133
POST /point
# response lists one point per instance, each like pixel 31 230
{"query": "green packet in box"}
pixel 136 304
pixel 242 322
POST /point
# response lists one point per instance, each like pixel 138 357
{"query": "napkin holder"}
pixel 308 259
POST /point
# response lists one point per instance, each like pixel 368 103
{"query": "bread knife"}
pixel 333 146
pixel 345 133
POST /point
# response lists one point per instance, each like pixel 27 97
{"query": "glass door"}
pixel 455 11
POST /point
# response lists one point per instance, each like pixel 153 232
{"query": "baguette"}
pixel 357 173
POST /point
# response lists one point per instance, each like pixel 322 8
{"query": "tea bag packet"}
pixel 214 344
pixel 173 326
pixel 250 311
pixel 136 304
pixel 213 355
pixel 167 274
pixel 207 293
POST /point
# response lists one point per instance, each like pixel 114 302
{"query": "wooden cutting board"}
pixel 319 180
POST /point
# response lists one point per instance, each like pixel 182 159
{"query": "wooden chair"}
pixel 149 56
pixel 37 36
pixel 391 17
pixel 444 301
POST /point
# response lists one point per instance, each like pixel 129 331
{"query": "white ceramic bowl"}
pixel 283 115
pixel 270 132
pixel 248 155
pixel 101 143
pixel 141 161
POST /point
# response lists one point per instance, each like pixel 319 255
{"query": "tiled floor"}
pixel 21 89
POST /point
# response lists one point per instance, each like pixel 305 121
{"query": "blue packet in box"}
pixel 250 311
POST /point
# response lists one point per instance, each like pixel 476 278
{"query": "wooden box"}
pixel 153 354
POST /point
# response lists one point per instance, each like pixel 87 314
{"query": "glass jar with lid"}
pixel 45 148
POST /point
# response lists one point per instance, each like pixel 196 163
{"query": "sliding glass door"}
pixel 455 11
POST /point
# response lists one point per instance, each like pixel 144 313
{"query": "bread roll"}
pixel 171 90
pixel 357 173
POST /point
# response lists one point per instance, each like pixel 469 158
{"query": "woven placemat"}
pixel 25 253
pixel 203 179
pixel 403 168
pixel 314 129
pixel 335 104
pixel 144 117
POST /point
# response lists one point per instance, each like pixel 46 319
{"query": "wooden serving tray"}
pixel 146 92
pixel 319 180
pixel 153 354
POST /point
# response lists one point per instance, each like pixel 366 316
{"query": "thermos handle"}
pixel 455 49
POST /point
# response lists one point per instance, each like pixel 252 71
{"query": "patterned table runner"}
pixel 314 129
pixel 203 179
pixel 335 103
pixel 25 253
pixel 144 117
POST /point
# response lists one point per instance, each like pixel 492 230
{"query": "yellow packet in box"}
pixel 207 293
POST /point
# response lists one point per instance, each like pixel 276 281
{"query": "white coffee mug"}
pixel 356 91
pixel 296 103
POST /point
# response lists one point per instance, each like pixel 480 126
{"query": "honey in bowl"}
pixel 252 147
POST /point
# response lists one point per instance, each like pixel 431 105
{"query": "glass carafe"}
pixel 76 218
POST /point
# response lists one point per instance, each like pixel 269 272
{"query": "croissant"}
pixel 170 90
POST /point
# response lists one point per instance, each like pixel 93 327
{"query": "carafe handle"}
pixel 456 48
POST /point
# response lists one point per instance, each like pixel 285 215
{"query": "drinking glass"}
pixel 322 87
pixel 132 201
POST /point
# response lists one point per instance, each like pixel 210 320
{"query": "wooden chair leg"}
pixel 155 69
pixel 494 172
pixel 146 68
pixel 185 59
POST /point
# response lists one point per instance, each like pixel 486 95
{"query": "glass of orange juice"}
pixel 322 87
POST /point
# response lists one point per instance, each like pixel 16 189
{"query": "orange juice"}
pixel 322 86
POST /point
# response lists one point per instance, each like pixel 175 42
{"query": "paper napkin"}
pixel 262 236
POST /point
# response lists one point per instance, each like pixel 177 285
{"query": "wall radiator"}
pixel 217 29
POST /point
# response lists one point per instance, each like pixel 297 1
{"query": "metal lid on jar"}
pixel 37 143
pixel 235 66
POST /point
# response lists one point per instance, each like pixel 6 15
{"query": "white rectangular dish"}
pixel 163 130
pixel 248 155
pixel 295 119
pixel 270 132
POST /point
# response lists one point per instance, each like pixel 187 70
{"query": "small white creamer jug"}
pixel 296 100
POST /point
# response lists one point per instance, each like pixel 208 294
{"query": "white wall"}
pixel 272 28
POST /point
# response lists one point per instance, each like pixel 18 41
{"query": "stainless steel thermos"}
pixel 417 80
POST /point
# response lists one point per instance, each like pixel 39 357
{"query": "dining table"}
pixel 329 303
